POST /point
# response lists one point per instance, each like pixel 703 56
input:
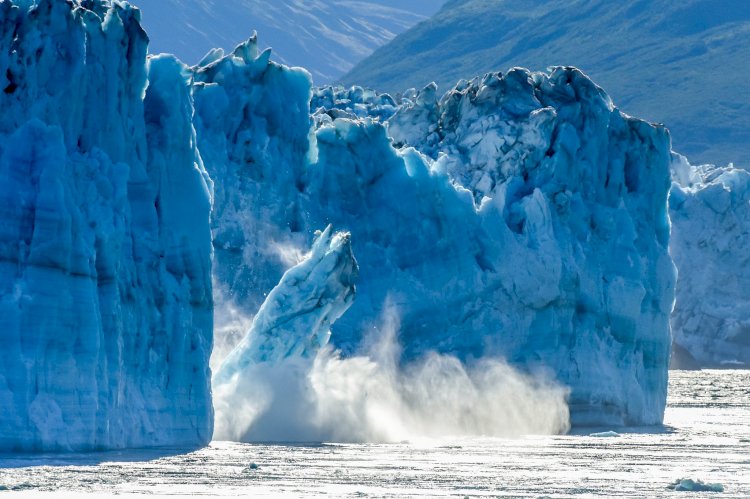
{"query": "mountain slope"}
pixel 325 36
pixel 680 63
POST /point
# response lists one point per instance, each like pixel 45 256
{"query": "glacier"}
pixel 105 248
pixel 520 215
pixel 710 212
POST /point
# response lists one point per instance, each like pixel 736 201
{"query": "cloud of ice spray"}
pixel 288 253
pixel 373 398
pixel 230 325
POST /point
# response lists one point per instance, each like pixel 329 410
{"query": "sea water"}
pixel 706 436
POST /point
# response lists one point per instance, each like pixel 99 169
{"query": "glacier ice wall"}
pixel 584 269
pixel 710 212
pixel 105 249
pixel 253 123
pixel 519 215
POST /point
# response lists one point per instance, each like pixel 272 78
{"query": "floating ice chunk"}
pixel 690 485
pixel 605 434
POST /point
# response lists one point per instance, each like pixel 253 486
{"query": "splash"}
pixel 284 382
pixel 231 323
pixel 372 397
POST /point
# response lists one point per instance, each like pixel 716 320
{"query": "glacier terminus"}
pixel 515 228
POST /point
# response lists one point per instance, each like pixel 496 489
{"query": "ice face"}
pixel 253 124
pixel 105 270
pixel 520 215
pixel 580 187
pixel 710 211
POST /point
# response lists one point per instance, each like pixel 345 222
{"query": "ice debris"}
pixel 295 319
pixel 690 485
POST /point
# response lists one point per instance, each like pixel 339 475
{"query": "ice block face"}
pixel 253 123
pixel 105 249
pixel 710 211
pixel 520 215
pixel 296 318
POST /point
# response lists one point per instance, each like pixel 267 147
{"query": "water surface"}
pixel 706 436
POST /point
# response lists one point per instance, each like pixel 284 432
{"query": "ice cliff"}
pixel 520 215
pixel 105 250
pixel 710 211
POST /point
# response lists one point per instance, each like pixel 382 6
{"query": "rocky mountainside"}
pixel 327 37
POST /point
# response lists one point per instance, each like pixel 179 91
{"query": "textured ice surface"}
pixel 296 318
pixel 581 263
pixel 329 103
pixel 105 275
pixel 710 211
pixel 529 222
pixel 253 123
